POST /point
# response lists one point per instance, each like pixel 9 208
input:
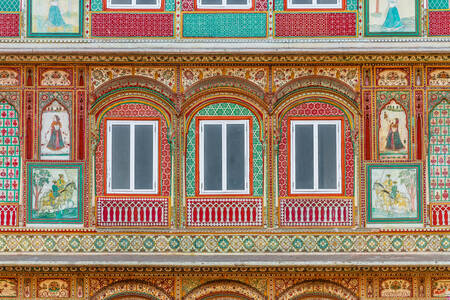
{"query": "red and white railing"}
pixel 208 212
pixel 8 215
pixel 132 212
pixel 440 214
pixel 296 212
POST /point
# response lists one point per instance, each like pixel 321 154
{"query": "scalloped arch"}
pixel 134 82
pixel 210 98
pixel 224 82
pixel 224 289
pixel 332 87
pixel 323 289
pixel 131 288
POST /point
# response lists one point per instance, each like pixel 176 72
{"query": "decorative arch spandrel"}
pixel 305 99
pixel 132 210
pixel 246 207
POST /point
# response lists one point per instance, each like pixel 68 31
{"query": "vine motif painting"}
pixel 55 133
pixel 391 17
pixel 55 18
pixel 55 193
pixel 394 193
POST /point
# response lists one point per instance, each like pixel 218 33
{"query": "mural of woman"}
pixel 54 15
pixel 392 21
pixel 393 141
pixel 56 141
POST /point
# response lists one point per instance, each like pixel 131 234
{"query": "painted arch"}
pixel 224 290
pixel 312 290
pixel 130 290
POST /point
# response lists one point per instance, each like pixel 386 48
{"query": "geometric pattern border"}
pixel 225 243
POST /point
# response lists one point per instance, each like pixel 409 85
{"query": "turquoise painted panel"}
pixel 225 109
pixel 169 5
pixel 224 25
pixel 352 4
pixel 9 5
pixel 438 4
pixel 96 5
pixel 279 5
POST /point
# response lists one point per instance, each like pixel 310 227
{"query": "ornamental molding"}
pixel 267 59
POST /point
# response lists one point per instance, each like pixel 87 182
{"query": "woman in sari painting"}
pixel 393 138
pixel 392 21
pixel 54 15
pixel 56 141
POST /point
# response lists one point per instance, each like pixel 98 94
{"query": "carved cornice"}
pixel 228 58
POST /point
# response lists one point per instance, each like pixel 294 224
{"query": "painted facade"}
pixel 383 233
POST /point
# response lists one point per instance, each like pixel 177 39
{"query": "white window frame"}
pixel 224 190
pixel 314 5
pixel 316 188
pixel 132 124
pixel 224 5
pixel 133 5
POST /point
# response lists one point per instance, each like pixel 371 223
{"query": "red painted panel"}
pixel 132 25
pixel 315 24
pixel 439 22
pixel 9 24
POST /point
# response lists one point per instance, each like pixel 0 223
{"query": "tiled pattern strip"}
pixel 439 22
pixel 9 5
pixel 440 152
pixel 9 154
pixel 132 211
pixel 132 25
pixel 315 24
pixel 209 25
pixel 245 243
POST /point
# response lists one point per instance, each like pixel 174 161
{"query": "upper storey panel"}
pixel 166 25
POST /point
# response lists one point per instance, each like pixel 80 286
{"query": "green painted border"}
pixel 59 165
pixel 36 34
pixel 416 220
pixel 367 18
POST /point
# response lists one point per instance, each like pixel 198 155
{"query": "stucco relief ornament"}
pixel 270 99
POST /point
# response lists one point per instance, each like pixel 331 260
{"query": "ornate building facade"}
pixel 198 149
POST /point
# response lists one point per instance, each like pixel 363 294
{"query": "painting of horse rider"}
pixel 394 193
pixel 55 193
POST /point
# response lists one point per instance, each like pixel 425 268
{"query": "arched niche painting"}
pixel 55 133
pixel 393 133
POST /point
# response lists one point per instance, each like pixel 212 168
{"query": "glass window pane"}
pixel 235 157
pixel 327 156
pixel 117 2
pixel 304 157
pixel 120 156
pixel 212 158
pixel 236 2
pixel 327 2
pixel 145 2
pixel 211 2
pixel 143 157
pixel 302 2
